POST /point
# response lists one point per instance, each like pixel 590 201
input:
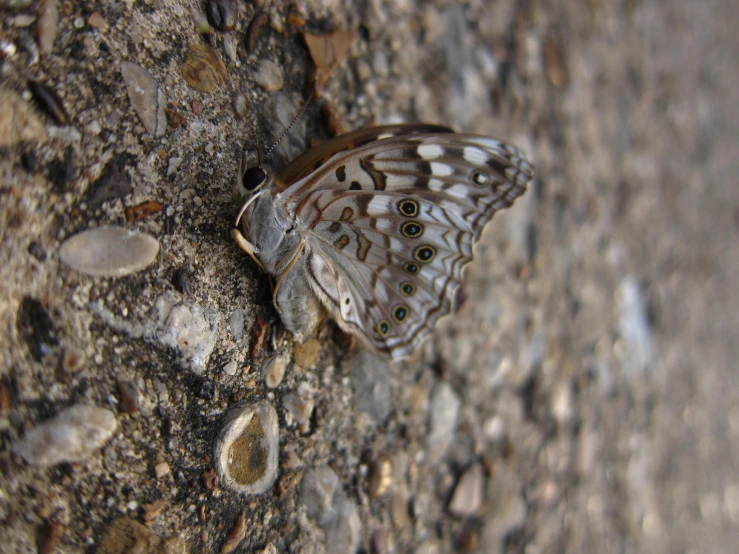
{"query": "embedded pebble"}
pixel 109 251
pixel 443 411
pixel 93 128
pixel 269 76
pixel 189 329
pixel 52 534
pixel 146 98
pixel 246 452
pixel 235 536
pixel 48 24
pixel 97 21
pixel 173 164
pixel 125 535
pixel 306 354
pixel 230 45
pixel 236 323
pixel 21 20
pixel 71 436
pixel 253 31
pixel 370 381
pixel 634 327
pixel 380 475
pixel 161 470
pixel 231 368
pixel 467 498
pixel 129 396
pixel 181 281
pixel 299 406
pixel 203 70
pixel 335 513
pixel 240 104
pixel 74 359
pixel 274 371
pixel 222 14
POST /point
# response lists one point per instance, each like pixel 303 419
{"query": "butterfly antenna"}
pixel 292 124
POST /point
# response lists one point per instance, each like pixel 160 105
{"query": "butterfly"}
pixel 375 226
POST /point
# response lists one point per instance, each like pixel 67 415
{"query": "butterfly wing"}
pixel 312 159
pixel 390 225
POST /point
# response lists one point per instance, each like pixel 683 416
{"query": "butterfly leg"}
pixel 247 247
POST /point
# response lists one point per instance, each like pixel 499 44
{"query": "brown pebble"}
pixel 203 69
pixel 129 396
pixel 175 118
pixel 161 469
pixel 210 479
pixel 74 359
pixel 237 534
pixel 380 476
pixel 287 482
pixel 295 21
pixel 468 540
pixel 253 31
pixel 152 510
pixel 53 531
pixel 259 332
pixel 5 403
pixel 97 21
pixel 140 211
pixel 274 371
pixel 197 107
pixel 554 64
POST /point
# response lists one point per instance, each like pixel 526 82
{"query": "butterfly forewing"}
pixel 312 159
pixel 389 223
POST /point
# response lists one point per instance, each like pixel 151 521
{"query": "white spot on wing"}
pixel 474 155
pixel 457 191
pixel 395 181
pixel 435 185
pixel 430 151
pixel 441 169
pixel 377 205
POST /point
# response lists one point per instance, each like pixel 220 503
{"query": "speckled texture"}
pixel 593 353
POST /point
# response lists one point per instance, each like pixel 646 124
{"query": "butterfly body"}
pixel 374 228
